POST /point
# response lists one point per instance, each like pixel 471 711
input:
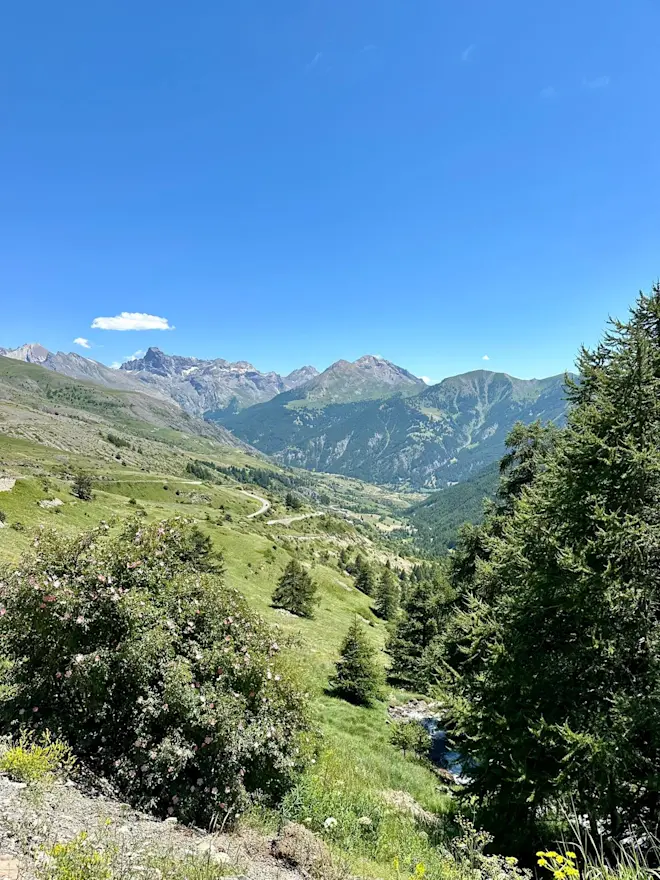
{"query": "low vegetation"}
pixel 36 759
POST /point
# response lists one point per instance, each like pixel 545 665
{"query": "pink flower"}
pixel 36 709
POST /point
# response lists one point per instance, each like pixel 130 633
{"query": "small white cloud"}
pixel 132 321
pixel 485 358
pixel 315 60
pixel 599 82
pixel 429 381
pixel 136 354
pixel 548 93
pixel 83 343
pixel 466 54
pixel 115 365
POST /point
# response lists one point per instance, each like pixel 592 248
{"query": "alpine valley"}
pixel 369 419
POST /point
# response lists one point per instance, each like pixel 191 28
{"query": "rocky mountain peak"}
pixel 31 353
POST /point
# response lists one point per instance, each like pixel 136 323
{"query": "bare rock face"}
pixel 202 386
pixel 31 352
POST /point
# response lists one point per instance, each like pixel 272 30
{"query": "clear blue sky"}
pixel 297 181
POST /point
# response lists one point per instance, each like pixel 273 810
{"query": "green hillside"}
pixel 437 520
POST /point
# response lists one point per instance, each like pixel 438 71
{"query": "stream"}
pixel 440 753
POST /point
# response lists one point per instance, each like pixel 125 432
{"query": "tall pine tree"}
pixel 296 591
pixel 387 595
pixel 359 676
pixel 558 704
pixel 365 579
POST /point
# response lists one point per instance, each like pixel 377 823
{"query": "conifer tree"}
pixel 559 697
pixel 359 676
pixel 414 633
pixel 365 579
pixel 387 595
pixel 296 591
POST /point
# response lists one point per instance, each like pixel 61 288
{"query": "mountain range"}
pixel 442 434
pixel 369 418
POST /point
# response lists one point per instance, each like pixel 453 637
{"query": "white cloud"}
pixel 548 93
pixel 315 60
pixel 485 358
pixel 599 82
pixel 132 321
pixel 466 54
pixel 429 381
pixel 83 343
pixel 115 365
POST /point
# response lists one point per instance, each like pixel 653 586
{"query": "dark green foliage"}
pixel 159 677
pixel 387 595
pixel 410 644
pixel 3 516
pixel 296 591
pixel 117 441
pixel 201 471
pixel 556 639
pixel 439 518
pixel 82 487
pixel 293 502
pixel 365 579
pixel 411 736
pixel 359 676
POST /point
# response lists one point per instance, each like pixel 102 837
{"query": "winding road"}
pixel 265 504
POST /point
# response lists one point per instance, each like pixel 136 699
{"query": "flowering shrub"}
pixel 157 675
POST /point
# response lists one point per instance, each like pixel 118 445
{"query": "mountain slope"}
pixel 199 386
pixel 438 519
pixel 75 366
pixel 442 435
pixel 39 404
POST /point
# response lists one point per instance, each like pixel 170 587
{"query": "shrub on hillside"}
pixel 157 675
pixel 34 759
pixel 3 516
pixel 411 736
pixel 82 487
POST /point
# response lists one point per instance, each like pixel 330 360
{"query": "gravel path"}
pixel 30 820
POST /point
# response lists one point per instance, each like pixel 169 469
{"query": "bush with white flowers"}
pixel 132 649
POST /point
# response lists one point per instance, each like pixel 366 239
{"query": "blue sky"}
pixel 297 181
